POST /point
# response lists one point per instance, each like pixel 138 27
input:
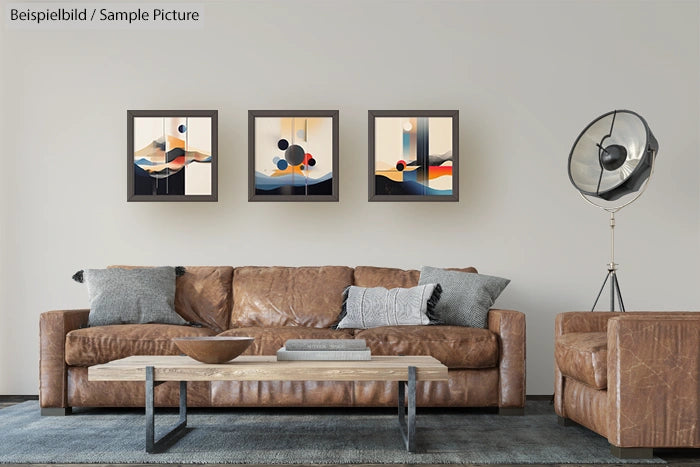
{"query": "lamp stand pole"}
pixel 612 273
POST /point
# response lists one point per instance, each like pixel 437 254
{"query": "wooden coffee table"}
pixel 154 370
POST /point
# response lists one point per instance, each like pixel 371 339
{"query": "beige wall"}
pixel 527 76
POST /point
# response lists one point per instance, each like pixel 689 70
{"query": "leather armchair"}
pixel 633 378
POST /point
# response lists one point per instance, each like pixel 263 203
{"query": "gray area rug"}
pixel 298 436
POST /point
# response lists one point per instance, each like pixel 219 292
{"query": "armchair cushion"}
pixel 583 356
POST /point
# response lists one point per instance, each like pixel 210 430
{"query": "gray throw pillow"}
pixel 466 297
pixel 131 296
pixel 365 308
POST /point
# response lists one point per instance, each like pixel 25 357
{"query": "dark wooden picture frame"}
pixel 165 167
pixel 285 170
pixel 405 141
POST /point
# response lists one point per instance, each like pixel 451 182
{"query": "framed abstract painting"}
pixel 172 155
pixel 414 155
pixel 293 155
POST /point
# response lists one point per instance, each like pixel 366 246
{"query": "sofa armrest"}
pixel 654 380
pixel 510 327
pixel 53 327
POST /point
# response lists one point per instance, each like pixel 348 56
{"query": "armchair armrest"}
pixel 510 327
pixel 582 321
pixel 53 327
pixel 654 380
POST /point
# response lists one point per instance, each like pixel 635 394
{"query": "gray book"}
pixel 284 354
pixel 325 344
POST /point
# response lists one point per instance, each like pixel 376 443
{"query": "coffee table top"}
pixel 267 368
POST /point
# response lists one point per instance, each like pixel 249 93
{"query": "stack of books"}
pixel 324 349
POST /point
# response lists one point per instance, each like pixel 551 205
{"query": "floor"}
pixel 675 457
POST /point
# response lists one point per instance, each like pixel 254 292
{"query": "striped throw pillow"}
pixel 365 308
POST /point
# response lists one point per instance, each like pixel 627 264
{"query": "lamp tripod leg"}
pixel 601 291
pixel 614 291
pixel 619 293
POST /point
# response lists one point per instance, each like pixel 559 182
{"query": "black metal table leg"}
pixel 153 445
pixel 408 427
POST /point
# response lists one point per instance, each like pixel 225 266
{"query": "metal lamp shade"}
pixel 613 156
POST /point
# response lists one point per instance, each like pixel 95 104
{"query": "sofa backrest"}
pixel 220 297
pixel 288 296
pixel 389 278
pixel 202 295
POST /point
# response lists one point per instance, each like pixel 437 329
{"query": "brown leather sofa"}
pixel 273 304
pixel 633 378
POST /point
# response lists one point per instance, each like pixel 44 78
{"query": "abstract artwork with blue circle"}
pixel 293 155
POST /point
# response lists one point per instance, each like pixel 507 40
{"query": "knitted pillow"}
pixel 466 297
pixel 365 308
pixel 130 296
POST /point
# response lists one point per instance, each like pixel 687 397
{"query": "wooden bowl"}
pixel 213 349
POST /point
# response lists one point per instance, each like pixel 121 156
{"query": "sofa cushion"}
pixel 286 296
pixel 269 340
pixel 203 295
pixel 390 278
pixel 583 356
pixel 455 346
pixel 101 344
